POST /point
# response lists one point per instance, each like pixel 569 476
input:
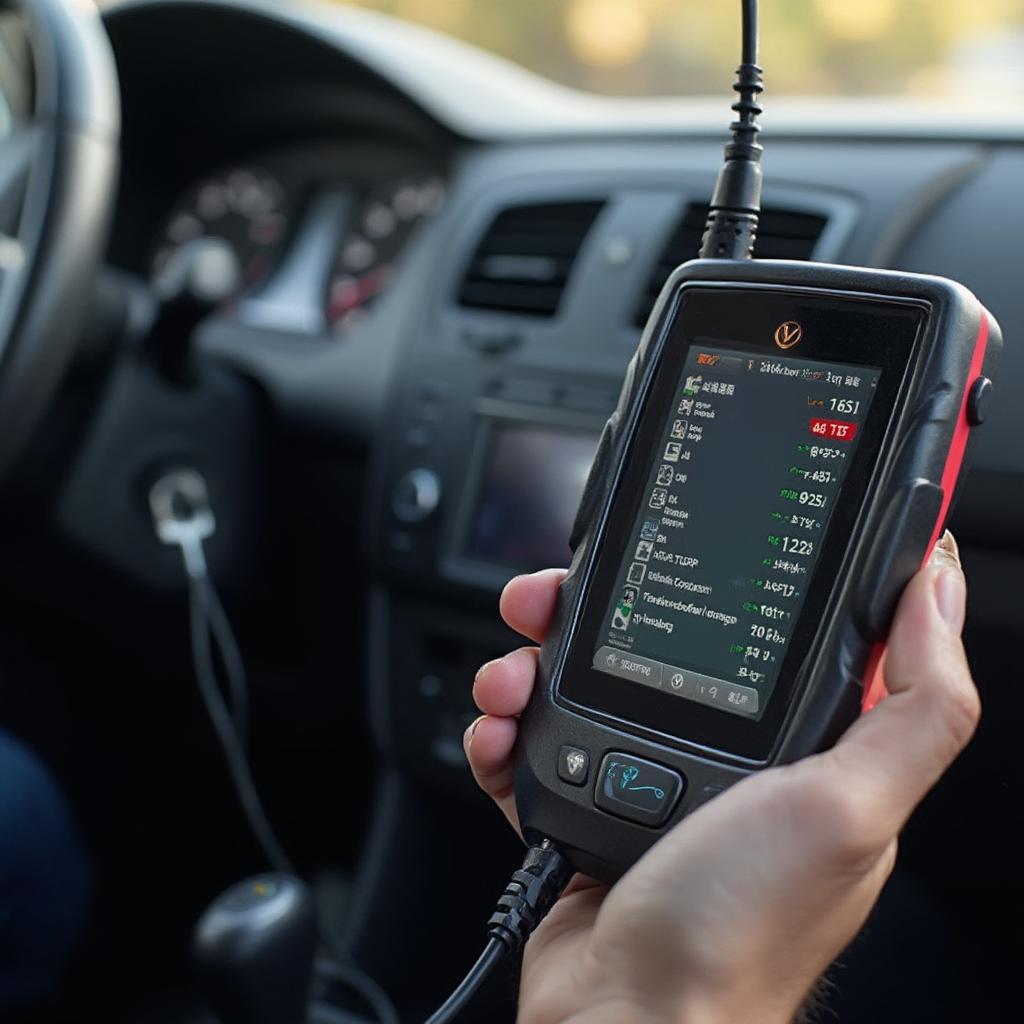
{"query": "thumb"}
pixel 896 752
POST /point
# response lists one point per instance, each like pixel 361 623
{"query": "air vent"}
pixel 523 261
pixel 781 235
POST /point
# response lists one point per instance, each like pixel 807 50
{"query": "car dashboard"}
pixel 443 268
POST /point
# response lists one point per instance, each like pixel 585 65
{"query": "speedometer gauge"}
pixel 379 230
pixel 243 207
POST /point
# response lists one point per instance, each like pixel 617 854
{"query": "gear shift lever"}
pixel 254 948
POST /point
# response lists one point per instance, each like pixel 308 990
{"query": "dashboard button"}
pixel 416 495
pixel 637 790
pixel 573 765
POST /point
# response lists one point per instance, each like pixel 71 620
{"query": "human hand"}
pixel 734 914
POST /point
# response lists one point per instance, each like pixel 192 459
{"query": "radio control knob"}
pixel 416 495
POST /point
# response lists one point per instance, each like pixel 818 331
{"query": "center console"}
pixel 487 472
pixel 483 476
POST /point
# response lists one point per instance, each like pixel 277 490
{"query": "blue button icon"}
pixel 630 774
pixel 637 789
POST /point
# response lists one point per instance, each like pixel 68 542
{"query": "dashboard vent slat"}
pixel 782 235
pixel 523 261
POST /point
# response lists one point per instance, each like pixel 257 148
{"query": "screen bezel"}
pixel 870 331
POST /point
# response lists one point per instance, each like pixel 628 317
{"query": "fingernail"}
pixel 467 738
pixel 512 582
pixel 947 550
pixel 483 668
pixel 951 596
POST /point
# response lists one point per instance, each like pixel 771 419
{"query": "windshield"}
pixel 955 51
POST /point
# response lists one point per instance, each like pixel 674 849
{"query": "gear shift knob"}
pixel 254 948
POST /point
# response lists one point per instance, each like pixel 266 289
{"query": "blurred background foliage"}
pixel 963 50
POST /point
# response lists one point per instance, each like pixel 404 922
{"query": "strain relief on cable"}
pixel 749 85
pixel 529 895
pixel 731 228
pixel 729 235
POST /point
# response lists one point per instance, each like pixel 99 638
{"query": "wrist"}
pixel 637 1011
pixel 679 1003
pixel 752 1004
pixel 692 1001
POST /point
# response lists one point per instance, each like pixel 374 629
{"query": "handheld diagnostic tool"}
pixel 787 445
pixel 785 450
pixel 782 459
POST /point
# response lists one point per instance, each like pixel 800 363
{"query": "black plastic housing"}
pixel 900 516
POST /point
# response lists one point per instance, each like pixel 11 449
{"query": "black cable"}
pixel 731 228
pixel 207 617
pixel 749 86
pixel 200 601
pixel 182 517
pixel 493 953
pixel 729 234
pixel 749 55
pixel 231 660
pixel 531 892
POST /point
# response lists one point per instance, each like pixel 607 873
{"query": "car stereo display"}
pixel 532 480
pixel 746 474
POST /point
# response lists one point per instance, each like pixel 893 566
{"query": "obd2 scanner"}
pixel 783 457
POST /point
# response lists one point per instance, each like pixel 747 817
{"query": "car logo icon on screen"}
pixel 788 333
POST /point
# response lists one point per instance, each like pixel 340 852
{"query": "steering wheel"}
pixel 59 127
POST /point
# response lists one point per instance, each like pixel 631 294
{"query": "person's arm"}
pixel 735 913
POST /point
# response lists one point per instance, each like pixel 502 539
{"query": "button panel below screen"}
pixel 683 682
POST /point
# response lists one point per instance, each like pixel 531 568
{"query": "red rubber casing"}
pixel 874 675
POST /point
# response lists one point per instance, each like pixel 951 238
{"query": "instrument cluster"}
pixel 329 229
